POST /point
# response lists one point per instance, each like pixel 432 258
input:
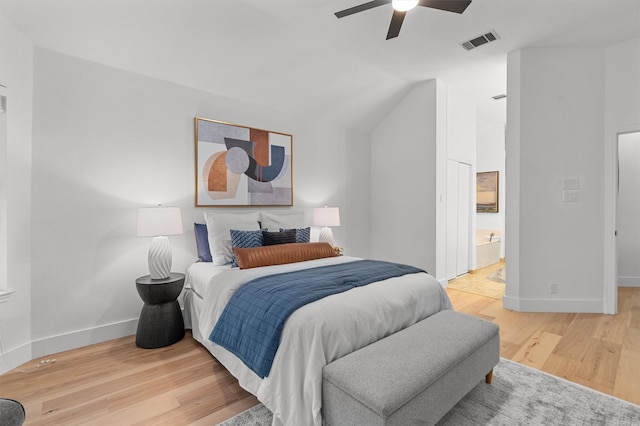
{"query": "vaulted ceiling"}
pixel 295 55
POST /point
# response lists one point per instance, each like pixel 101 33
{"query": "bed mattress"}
pixel 314 335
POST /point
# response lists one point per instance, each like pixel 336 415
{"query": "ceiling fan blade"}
pixel 396 24
pixel 361 8
pixel 456 6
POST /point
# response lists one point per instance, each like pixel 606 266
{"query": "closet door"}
pixel 452 219
pixel 464 218
pixel 458 218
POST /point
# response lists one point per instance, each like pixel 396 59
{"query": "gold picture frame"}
pixel 487 193
pixel 241 166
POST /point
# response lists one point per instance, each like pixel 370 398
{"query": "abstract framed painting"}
pixel 487 192
pixel 240 166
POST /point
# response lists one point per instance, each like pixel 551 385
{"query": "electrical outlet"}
pixel 553 288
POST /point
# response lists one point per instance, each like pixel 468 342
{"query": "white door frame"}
pixel 4 292
pixel 610 289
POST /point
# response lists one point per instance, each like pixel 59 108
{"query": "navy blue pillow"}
pixel 202 242
pixel 303 235
pixel 245 239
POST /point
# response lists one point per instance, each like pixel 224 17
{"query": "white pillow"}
pixel 218 227
pixel 273 222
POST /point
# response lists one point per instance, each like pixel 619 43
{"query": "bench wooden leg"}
pixel 488 377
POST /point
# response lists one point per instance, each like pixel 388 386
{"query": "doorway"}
pixel 610 293
pixel 628 211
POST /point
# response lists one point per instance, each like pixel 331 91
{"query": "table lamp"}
pixel 326 217
pixel 158 222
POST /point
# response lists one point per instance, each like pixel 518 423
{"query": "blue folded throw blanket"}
pixel 251 324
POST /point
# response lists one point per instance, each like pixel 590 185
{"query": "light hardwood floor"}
pixel 116 383
pixel 481 282
pixel 598 351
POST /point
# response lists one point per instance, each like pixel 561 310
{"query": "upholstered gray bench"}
pixel 11 412
pixel 411 377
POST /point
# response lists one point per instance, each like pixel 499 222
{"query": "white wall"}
pixel 4 292
pixel 628 212
pixel 355 228
pixel 107 142
pixel 461 129
pixel 462 146
pixel 409 153
pixel 491 157
pixel 622 115
pixel 512 185
pixel 16 73
pixel 622 97
pixel 403 179
pixel 555 119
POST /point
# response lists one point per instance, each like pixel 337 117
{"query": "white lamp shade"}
pixel 156 221
pixel 326 216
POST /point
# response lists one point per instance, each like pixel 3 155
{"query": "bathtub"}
pixel 487 247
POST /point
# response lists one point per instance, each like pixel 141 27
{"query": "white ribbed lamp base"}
pixel 326 235
pixel 159 258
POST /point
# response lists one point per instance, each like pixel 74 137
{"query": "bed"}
pixel 314 335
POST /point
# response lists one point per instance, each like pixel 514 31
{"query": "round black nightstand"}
pixel 161 322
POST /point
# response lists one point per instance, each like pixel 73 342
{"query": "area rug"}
pixel 497 276
pixel 518 395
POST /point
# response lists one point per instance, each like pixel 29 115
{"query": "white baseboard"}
pixel 77 339
pixel 66 341
pixel 63 342
pixel 15 358
pixel 593 306
pixel 628 281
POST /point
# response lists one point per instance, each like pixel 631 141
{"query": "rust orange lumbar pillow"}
pixel 282 253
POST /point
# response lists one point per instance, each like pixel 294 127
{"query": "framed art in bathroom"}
pixel 241 166
pixel 487 192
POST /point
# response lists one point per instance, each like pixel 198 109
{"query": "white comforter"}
pixel 315 334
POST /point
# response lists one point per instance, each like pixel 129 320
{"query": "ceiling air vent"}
pixel 480 40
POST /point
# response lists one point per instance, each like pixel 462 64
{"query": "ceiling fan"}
pixel 402 6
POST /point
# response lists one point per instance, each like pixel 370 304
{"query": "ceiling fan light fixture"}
pixel 404 5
